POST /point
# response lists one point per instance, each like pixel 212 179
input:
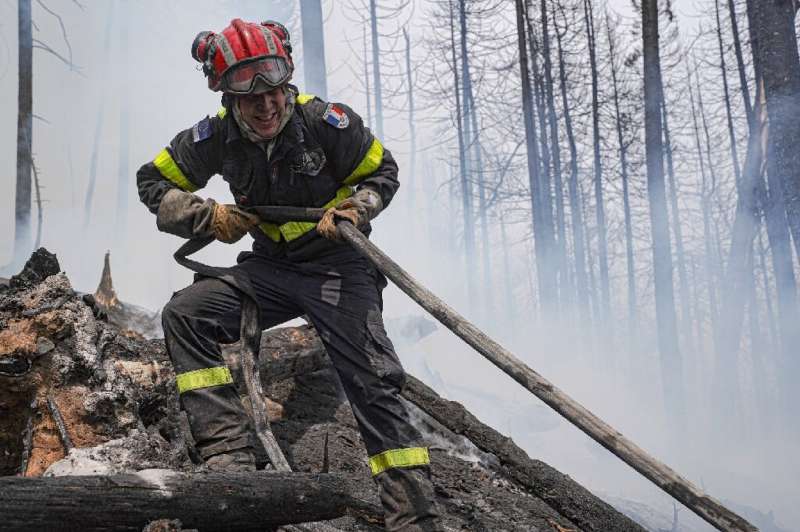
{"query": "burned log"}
pixel 211 501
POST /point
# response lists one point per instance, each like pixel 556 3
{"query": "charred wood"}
pixel 215 501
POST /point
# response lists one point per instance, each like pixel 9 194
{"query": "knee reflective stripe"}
pixel 203 378
pixel 409 457
pixel 170 170
pixel 370 163
pixel 222 112
pixel 293 230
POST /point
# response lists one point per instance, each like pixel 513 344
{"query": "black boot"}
pixel 408 500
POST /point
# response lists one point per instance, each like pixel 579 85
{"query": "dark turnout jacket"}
pixel 317 160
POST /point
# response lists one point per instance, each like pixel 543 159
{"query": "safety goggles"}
pixel 241 79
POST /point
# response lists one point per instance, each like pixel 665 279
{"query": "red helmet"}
pixel 245 52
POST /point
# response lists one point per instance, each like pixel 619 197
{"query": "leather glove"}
pixel 229 223
pixel 358 209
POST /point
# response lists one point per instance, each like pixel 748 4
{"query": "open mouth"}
pixel 267 121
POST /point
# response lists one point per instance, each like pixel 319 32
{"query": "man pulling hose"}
pixel 275 146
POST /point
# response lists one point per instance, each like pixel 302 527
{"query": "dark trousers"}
pixel 342 298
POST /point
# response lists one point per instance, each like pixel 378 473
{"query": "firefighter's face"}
pixel 264 111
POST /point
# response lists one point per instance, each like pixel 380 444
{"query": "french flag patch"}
pixel 202 130
pixel 335 116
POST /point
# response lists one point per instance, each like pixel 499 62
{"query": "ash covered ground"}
pixel 80 395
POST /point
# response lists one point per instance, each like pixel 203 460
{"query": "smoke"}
pixel 619 380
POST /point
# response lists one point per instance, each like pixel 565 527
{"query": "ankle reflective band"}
pixel 409 457
pixel 203 378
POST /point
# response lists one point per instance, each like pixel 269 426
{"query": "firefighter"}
pixel 276 146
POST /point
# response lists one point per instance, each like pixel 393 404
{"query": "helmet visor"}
pixel 241 79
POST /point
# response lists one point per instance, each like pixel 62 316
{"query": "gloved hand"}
pixel 358 209
pixel 229 223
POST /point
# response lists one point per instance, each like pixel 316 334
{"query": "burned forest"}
pixel 524 265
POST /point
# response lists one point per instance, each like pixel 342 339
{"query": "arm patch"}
pixel 335 116
pixel 202 130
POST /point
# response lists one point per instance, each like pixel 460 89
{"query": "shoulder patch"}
pixel 335 116
pixel 202 130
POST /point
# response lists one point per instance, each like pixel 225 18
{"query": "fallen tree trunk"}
pixel 209 501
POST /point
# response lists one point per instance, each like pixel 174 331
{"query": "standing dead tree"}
pixel 314 48
pixel 542 223
pixel 623 145
pixel 25 164
pixel 662 253
pixel 600 213
pixel 777 65
pixel 22 206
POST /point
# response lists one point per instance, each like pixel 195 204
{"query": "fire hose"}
pixel 654 470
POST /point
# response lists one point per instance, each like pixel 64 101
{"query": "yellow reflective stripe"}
pixel 271 230
pixel 222 112
pixel 169 169
pixel 370 163
pixel 293 230
pixel 410 457
pixel 304 98
pixel 203 378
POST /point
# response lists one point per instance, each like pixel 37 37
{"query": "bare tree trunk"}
pixel 123 173
pixel 566 291
pixel 600 213
pixel 366 78
pixel 777 64
pixel 473 142
pixel 780 65
pixel 544 262
pixel 314 48
pixel 22 200
pixel 39 213
pixel 683 281
pixel 483 212
pixel 98 127
pixel 576 210
pixel 466 187
pixel 594 295
pixel 737 46
pixel 376 68
pixel 729 115
pixel 633 313
pixel 725 384
pixel 672 373
pixel 705 203
pixel 412 132
pixel 738 280
pixel 545 196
